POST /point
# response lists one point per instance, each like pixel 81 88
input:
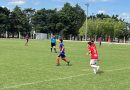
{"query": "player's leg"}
pixel 94 66
pixel 65 59
pixel 26 42
pixel 51 49
pixel 97 67
pixel 100 44
pixel 51 46
pixel 58 59
pixel 55 49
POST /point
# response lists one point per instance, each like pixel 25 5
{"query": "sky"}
pixel 120 7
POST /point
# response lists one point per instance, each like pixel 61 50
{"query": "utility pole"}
pixel 87 5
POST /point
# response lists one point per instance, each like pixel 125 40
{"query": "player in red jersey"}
pixel 94 56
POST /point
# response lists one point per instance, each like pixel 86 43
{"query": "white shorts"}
pixel 93 61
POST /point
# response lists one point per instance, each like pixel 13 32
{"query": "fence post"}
pixel 6 35
pixel 124 39
pixel 19 35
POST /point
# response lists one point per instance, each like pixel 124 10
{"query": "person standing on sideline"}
pixel 94 57
pixel 100 41
pixel 62 53
pixel 27 39
pixel 109 39
pixel 53 43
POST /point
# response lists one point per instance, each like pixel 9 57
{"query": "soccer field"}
pixel 33 67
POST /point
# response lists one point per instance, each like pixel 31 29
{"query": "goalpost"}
pixel 41 36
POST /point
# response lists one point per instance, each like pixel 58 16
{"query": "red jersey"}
pixel 94 45
pixel 94 54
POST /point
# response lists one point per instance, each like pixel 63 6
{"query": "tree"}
pixel 72 18
pixel 120 30
pixel 18 22
pixel 4 20
pixel 102 16
pixel 45 21
pixel 105 25
pixel 29 12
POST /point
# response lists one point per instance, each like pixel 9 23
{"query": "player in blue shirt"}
pixel 53 43
pixel 62 53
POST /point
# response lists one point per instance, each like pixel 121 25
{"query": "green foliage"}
pixel 75 18
pixel 66 21
pixel 104 25
pixel 70 20
pixel 4 20
pixel 19 21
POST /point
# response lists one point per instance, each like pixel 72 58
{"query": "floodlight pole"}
pixel 87 5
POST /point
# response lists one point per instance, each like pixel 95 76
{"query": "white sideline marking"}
pixel 111 69
pixel 25 84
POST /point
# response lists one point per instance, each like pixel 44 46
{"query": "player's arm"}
pixel 89 51
pixel 62 49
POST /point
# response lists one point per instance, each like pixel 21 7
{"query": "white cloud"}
pixel 99 0
pixel 16 2
pixel 36 3
pixel 5 7
pixel 59 7
pixel 101 11
pixel 2 6
pixel 125 15
pixel 64 1
pixel 61 0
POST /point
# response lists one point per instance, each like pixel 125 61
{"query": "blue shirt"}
pixel 53 40
pixel 61 48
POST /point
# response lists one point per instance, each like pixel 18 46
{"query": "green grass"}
pixel 34 67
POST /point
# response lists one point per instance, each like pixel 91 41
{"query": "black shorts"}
pixel 62 55
pixel 53 44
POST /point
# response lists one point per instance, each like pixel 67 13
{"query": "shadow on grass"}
pixel 64 65
pixel 69 65
pixel 100 72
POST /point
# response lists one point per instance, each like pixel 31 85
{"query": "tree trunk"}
pixel 74 37
pixel 118 40
pixel 78 38
pixel 124 40
pixel 0 35
pixel 13 35
pixel 8 34
pixel 81 38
